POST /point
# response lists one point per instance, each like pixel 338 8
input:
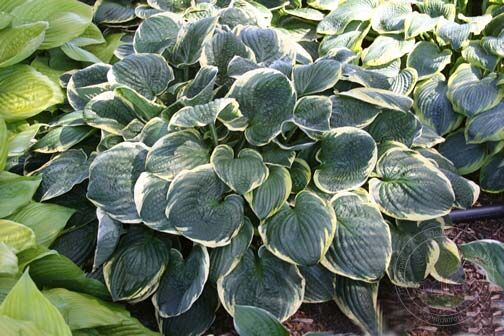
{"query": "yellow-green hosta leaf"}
pixel 175 152
pixel 254 321
pixel 316 77
pixel 417 23
pixel 492 174
pixel 8 5
pixel 266 97
pixel 466 157
pixel 471 93
pixel 427 59
pixel 353 10
pixel 112 177
pixel 390 125
pixel 157 33
pixel 199 210
pixel 16 191
pixel 182 283
pixel 280 284
pixel 16 236
pixel 25 302
pixel 242 174
pixel 14 327
pixel 408 186
pixel 300 234
pixel 19 42
pixel 19 142
pixel 4 141
pixel 433 107
pixel 380 98
pixel 347 156
pixel 389 16
pixel 25 92
pixel 67 19
pixel 203 115
pixel 8 259
pixel 359 222
pixel 488 254
pixel 358 301
pixel 486 126
pixel 385 49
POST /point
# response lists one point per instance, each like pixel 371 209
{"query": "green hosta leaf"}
pixel 428 60
pixel 25 302
pixel 476 55
pixel 150 200
pixel 348 111
pixel 347 156
pixel 20 42
pixel 19 142
pixel 310 225
pixel 271 195
pixel 389 16
pixel 8 259
pixel 67 19
pixel 224 259
pixel 359 222
pixel 380 98
pixel 197 319
pixel 109 231
pixel 254 321
pixel 398 126
pixel 183 282
pixel 358 301
pixel 134 271
pixel 267 45
pixel 405 81
pixel 157 33
pixel 105 51
pixel 487 254
pixel 320 283
pixel 266 97
pixel 242 174
pixel 316 77
pixel 198 209
pixel 280 284
pixel 60 139
pixel 491 175
pixel 148 74
pixel 46 220
pixel 486 126
pixel 175 152
pixel 385 49
pixel 472 93
pixel 86 84
pixel 355 10
pixel 25 92
pixel 112 177
pixel 408 186
pixel 467 158
pixel 417 23
pixel 453 33
pixel 62 173
pixel 16 191
pixel 190 40
pixel 433 107
pixel 300 173
pixel 15 236
pixel 202 115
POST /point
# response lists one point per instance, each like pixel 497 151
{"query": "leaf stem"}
pixel 213 132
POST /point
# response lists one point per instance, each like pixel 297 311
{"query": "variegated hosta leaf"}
pixel 150 200
pixel 466 157
pixel 197 319
pixel 157 33
pixel 182 283
pixel 477 23
pixel 316 77
pixel 144 108
pixel 448 267
pixel 380 98
pixel 202 115
pixel 433 107
pixel 486 126
pixel 267 44
pixel 16 191
pixel 175 152
pixel 300 173
pixel 280 284
pixel 359 222
pixel 86 84
pixel 109 232
pixel 224 259
pixel 254 321
pixel 466 191
pixel 242 174
pixel 348 111
pixel 414 251
pixel 389 17
pixel 476 55
pixel 313 113
pixel 367 78
pixel 198 209
pixel 385 49
pixel 306 14
pixel 148 74
pixel 471 93
pixel 271 195
pixel 153 130
pixel 408 186
pixel 494 45
pixel 112 177
pixel 405 81
pixel 323 4
pixel 347 156
pixel 427 59
pixel 355 10
pixel 135 269
pixel 358 300
pixel 398 126
pixel 352 39
pixel 300 234
pixel 487 254
pixel 492 173
pixel 266 97
pixel 63 172
pixel 17 237
pixel 389 69
pixel 456 34
pixel 200 90
pixel 417 23
pixel 60 139
pixel 320 283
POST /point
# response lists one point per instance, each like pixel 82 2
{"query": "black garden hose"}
pixel 478 213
